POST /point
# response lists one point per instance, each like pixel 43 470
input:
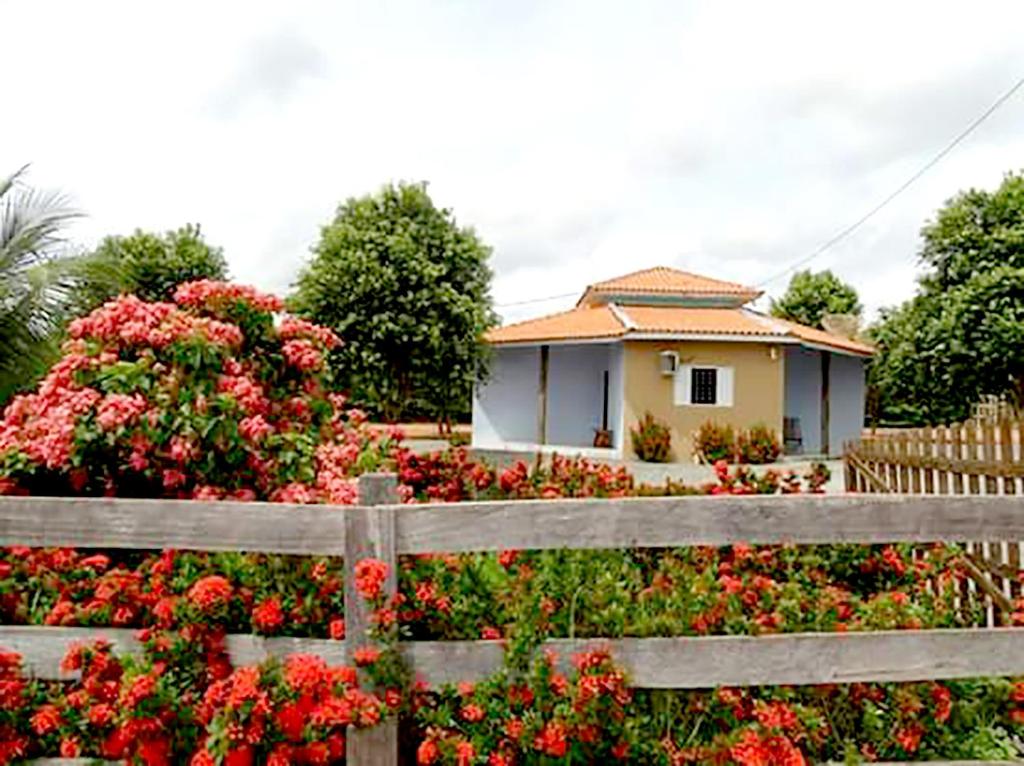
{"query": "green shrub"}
pixel 714 442
pixel 759 445
pixel 652 440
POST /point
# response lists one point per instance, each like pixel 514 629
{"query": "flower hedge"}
pixel 219 395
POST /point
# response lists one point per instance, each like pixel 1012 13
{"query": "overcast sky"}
pixel 582 139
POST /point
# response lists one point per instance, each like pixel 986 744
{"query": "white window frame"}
pixel 725 385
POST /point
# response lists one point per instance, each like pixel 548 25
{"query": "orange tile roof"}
pixel 820 337
pixel 613 321
pixel 577 324
pixel 662 280
pixel 673 319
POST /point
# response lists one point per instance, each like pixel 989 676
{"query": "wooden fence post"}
pixel 370 533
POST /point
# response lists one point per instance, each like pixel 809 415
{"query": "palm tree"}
pixel 39 278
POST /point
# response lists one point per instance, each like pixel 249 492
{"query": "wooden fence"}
pixel 382 529
pixel 982 457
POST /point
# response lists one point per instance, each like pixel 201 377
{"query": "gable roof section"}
pixel 662 281
pixel 613 322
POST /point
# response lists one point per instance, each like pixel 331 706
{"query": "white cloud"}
pixel 582 139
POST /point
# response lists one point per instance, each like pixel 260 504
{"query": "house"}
pixel 683 347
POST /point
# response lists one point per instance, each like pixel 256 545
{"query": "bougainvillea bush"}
pixel 211 396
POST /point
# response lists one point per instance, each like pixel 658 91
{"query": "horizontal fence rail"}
pixel 523 524
pixel 682 662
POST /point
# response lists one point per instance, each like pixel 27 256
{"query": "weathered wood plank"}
pixel 942 454
pixel 659 663
pixel 370 532
pixel 43 648
pixel 724 520
pixel 807 658
pixel 538 524
pixel 958 454
pixel 204 526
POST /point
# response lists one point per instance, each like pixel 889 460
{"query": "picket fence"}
pixel 979 457
pixel 381 528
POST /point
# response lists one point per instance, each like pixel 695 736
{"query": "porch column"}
pixel 542 397
pixel 826 364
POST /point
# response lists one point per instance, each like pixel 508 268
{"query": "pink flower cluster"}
pixel 211 293
pixel 130 321
pixel 302 355
pixel 293 327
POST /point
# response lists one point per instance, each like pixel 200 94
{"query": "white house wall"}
pixel 803 395
pixel 505 406
pixel 846 400
pixel 576 393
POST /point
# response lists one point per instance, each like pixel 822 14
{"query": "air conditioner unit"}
pixel 669 361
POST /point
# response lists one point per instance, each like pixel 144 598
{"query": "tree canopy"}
pixel 152 265
pixel 962 336
pixel 812 295
pixel 408 290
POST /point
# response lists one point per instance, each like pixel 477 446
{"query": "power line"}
pixel 535 300
pixel 902 187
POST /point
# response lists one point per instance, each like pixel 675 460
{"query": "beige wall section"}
pixel 758 388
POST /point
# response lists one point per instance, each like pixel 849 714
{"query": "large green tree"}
pixel 812 295
pixel 152 265
pixel 40 279
pixel 408 290
pixel 962 336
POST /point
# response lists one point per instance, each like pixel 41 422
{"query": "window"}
pixel 703 386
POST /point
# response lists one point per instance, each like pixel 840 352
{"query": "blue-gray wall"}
pixel 505 406
pixel 803 397
pixel 846 409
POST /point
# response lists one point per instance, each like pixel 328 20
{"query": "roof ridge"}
pixel 620 314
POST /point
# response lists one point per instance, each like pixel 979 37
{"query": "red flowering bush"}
pixel 542 717
pixel 293 712
pixel 206 397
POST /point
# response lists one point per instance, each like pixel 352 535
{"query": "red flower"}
pixel 291 720
pixel 241 756
pixel 267 616
pixel 203 758
pixel 210 592
pixel 336 629
pixel 46 719
pixel 370 575
pixel 464 753
pixel 507 558
pixel 70 748
pixel 909 738
pixel 472 713
pixel 552 739
pixel 427 753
